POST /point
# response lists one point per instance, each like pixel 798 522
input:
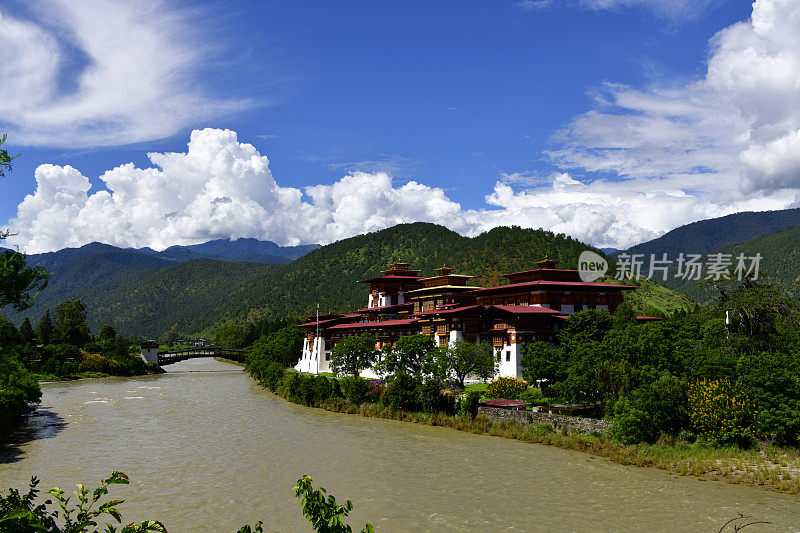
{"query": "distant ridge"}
pixel 245 249
pixel 708 235
pixel 142 294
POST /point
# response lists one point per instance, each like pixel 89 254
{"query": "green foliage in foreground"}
pixel 18 388
pixel 22 514
pixel 325 515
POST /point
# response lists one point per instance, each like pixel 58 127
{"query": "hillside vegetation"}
pixel 194 297
pixel 780 263
pixel 707 235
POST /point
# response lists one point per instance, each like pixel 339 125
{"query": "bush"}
pixel 467 403
pixel 720 412
pixel 307 390
pixel 403 392
pixel 354 389
pixel 336 389
pixel 291 385
pixel 540 430
pixel 632 426
pixel 375 391
pixel 650 411
pixel 431 399
pixel 506 387
pixel 533 396
pixel 273 375
pixel 322 389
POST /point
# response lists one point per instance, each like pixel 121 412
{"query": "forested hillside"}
pixel 196 296
pixel 707 235
pixel 329 275
pixel 780 263
pixel 84 272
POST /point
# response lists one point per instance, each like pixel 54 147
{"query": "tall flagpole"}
pixel 316 339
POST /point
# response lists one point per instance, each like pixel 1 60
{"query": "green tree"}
pixel 71 325
pixel 542 361
pixel 325 515
pixel 464 359
pixel 9 336
pixel 353 354
pixel 45 330
pixel 170 336
pixel 414 355
pixel 282 346
pixel 26 334
pixel 107 332
pixel 77 512
pixel 231 334
pixel 18 388
pixel 19 283
pixel 5 159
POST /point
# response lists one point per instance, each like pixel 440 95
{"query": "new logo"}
pixel 591 266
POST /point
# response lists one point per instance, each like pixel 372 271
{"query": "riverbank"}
pixel 770 467
pixel 54 378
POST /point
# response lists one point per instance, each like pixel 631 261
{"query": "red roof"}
pixel 564 284
pixel 447 311
pixel 504 403
pixel 648 318
pixel 527 309
pixel 322 323
pixel 541 270
pixel 384 324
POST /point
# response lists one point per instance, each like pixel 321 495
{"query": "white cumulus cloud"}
pixel 223 188
pixel 99 72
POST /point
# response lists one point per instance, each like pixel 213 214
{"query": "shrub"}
pixel 506 387
pixel 307 389
pixel 322 389
pixel 720 412
pixel 336 389
pixel 650 410
pixel 431 399
pixel 632 426
pixel 291 385
pixel 354 389
pixel 403 392
pixel 273 375
pixel 533 396
pixel 375 391
pixel 94 362
pixel 540 430
pixel 467 403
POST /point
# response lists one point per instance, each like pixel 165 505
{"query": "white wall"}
pixel 509 368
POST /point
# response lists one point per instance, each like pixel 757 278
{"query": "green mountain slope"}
pixel 191 296
pixel 707 235
pixel 196 296
pixel 780 262
pixel 80 273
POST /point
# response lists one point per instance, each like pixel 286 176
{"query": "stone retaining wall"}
pixel 571 423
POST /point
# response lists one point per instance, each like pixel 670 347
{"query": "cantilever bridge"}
pixel 166 358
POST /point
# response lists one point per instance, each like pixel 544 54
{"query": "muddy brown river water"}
pixel 208 450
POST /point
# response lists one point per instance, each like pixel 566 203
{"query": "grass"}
pixel 70 377
pixel 774 468
pixel 229 361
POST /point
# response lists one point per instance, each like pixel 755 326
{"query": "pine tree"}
pixel 26 334
pixel 45 329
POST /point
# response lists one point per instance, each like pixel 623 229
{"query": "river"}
pixel 208 450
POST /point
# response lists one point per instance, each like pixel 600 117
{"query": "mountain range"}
pixel 192 289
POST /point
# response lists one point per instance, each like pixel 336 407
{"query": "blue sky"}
pixel 611 120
